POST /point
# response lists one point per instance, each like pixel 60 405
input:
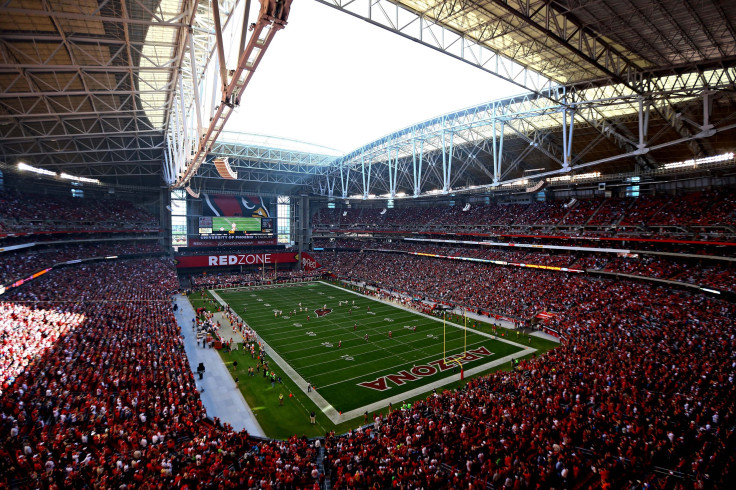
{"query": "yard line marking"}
pixel 328 328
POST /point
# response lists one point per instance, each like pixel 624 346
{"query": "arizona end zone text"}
pixel 418 372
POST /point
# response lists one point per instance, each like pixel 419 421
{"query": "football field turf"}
pixel 361 372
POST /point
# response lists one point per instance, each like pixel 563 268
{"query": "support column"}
pixel 496 153
pixel 302 230
pixel 567 128
pixel 707 108
pixel 366 181
pixel 446 164
pixel 417 170
pixel 344 181
pixel 643 126
pixel 390 174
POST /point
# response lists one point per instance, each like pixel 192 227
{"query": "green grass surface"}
pixel 293 417
pixel 310 347
pixel 208 302
pixel 280 421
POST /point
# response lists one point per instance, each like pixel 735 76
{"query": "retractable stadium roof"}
pixel 89 88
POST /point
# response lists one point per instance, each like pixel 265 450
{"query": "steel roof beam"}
pixel 73 93
pixel 122 115
pixel 459 45
pixel 81 134
pixel 173 23
pixel 86 69
pixel 589 45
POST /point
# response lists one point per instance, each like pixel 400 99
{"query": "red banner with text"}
pixel 227 260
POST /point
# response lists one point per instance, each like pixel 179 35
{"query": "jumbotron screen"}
pixel 219 225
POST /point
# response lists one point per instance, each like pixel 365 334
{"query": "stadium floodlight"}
pixel 401 194
pixel 560 178
pixel 67 176
pixel 26 167
pixel 589 175
pixel 700 161
pixel 517 183
pixel 566 178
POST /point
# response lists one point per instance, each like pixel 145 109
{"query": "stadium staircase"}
pixel 321 467
pixel 625 213
pixel 663 206
pixel 450 470
pixel 590 218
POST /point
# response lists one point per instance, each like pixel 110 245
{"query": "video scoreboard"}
pixel 235 226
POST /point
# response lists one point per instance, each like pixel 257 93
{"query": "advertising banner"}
pixel 257 259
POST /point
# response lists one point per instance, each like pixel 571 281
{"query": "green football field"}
pixel 332 353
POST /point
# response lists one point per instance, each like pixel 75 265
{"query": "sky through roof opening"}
pixel 334 80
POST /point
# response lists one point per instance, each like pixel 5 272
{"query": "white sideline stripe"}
pixel 338 418
pixel 318 399
pixel 430 386
pixel 321 354
pixel 372 331
pixel 352 365
pixel 425 315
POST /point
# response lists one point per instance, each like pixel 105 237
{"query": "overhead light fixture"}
pixel 518 182
pixel 26 167
pixel 78 179
pixel 700 161
pixel 564 178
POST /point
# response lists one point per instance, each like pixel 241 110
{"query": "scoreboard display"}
pixel 235 226
pixel 233 221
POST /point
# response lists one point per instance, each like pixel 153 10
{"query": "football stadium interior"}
pixel 537 291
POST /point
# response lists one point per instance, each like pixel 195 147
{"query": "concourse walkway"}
pixel 220 397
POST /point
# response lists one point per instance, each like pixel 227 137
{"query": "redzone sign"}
pixel 244 259
pixel 418 372
pixel 240 259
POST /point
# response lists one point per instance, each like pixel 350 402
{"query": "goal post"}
pixel 458 358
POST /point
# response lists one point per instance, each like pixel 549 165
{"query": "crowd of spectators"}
pixel 100 392
pixel 716 274
pixel 22 262
pixel 248 278
pixel 29 213
pixel 510 291
pixel 703 214
pixel 638 397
